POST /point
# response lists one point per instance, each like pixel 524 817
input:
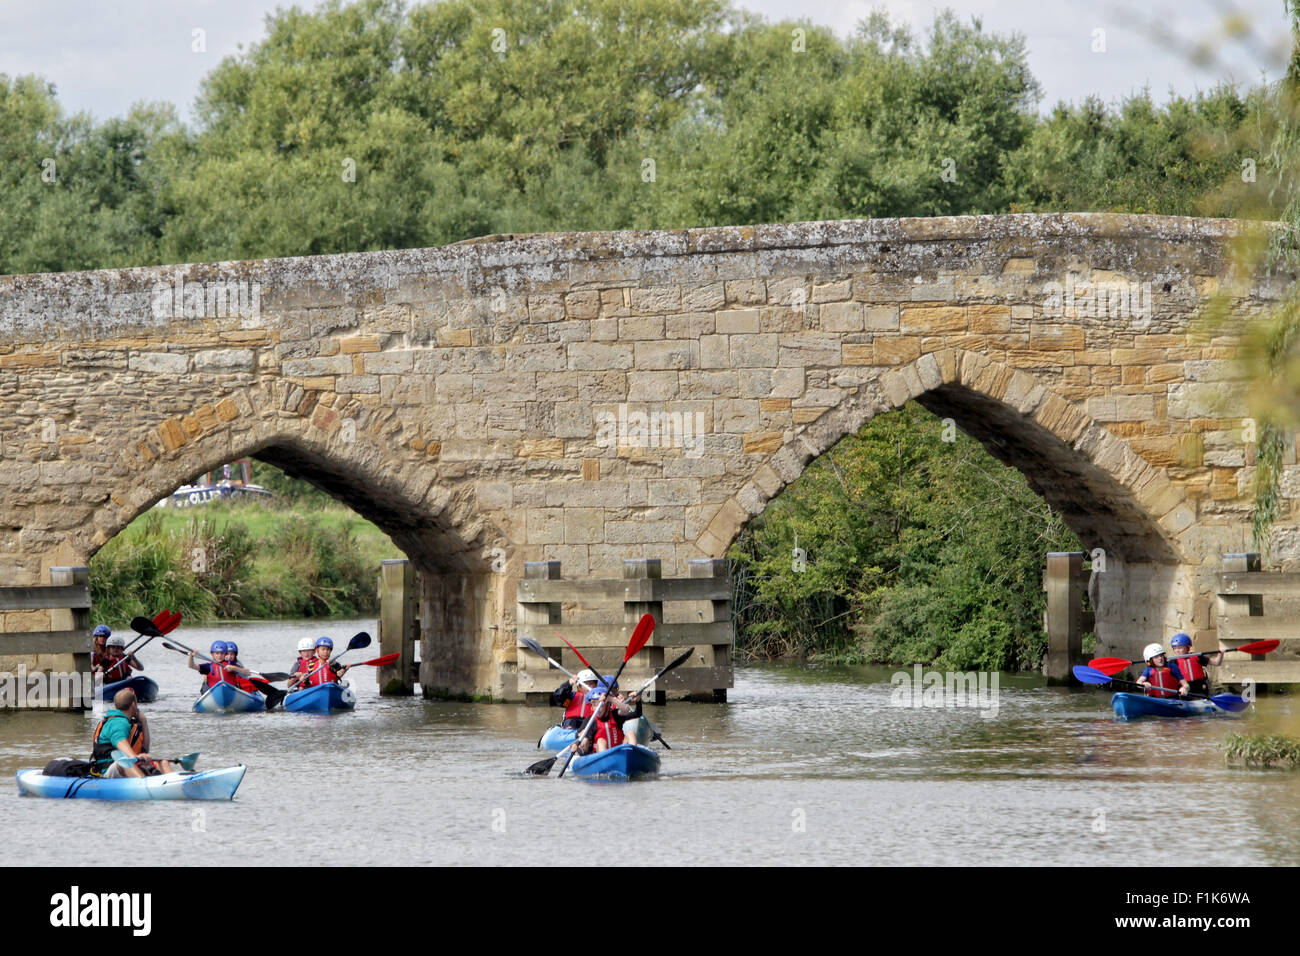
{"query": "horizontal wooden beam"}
pixel 1262 672
pixel 1241 583
pixel 44 597
pixel 1259 628
pixel 45 642
pixel 584 636
pixel 542 591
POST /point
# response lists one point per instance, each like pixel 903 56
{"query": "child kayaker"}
pixel 99 637
pixel 618 720
pixel 118 666
pixel 124 728
pixel 322 669
pixel 1161 678
pixel 572 696
pixel 220 670
pixel 1192 666
pixel 306 651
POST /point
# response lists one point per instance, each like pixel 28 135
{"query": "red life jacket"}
pixel 321 673
pixel 1162 677
pixel 240 681
pixel 1191 668
pixel 578 706
pixel 611 731
pixel 217 675
pixel 116 668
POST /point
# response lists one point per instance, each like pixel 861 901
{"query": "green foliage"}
pixel 917 549
pixel 1262 750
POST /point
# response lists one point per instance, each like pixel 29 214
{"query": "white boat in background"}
pixel 230 489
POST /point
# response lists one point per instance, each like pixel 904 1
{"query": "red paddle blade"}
pixel 171 623
pixel 381 661
pixel 160 618
pixel 644 628
pixel 585 662
pixel 1257 647
pixel 1109 665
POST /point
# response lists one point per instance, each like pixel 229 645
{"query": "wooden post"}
pixel 651 658
pixel 1064 614
pixel 399 605
pixel 74 619
pixel 717 655
pixel 539 621
pixel 1239 605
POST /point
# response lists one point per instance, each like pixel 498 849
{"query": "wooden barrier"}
pixel 1242 589
pixel 62 649
pixel 1065 620
pixel 542 595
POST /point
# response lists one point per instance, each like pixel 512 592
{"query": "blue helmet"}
pixel 102 631
pixel 218 647
pixel 1181 640
pixel 602 688
pixel 232 647
pixel 325 642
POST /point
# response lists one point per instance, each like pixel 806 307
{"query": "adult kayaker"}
pixel 618 720
pixel 322 670
pixel 1193 666
pixel 572 696
pixel 117 665
pixel 124 728
pixel 1161 678
pixel 99 637
pixel 220 670
pixel 306 651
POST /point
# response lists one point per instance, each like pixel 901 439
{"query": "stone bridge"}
pixel 593 397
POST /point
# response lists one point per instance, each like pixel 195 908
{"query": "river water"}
pixel 803 766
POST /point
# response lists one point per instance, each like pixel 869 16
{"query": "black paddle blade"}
pixel 659 737
pixel 360 640
pixel 276 675
pixel 533 646
pixel 142 625
pixel 542 767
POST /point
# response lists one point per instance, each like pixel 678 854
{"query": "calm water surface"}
pixel 802 766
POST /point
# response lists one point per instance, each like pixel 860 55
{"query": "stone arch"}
pixel 1128 506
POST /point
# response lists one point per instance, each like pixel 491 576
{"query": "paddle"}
pixel 644 628
pixel 1113 665
pixel 273 694
pixel 187 762
pixel 163 623
pixel 1228 702
pixel 359 640
pixel 686 656
pixel 380 661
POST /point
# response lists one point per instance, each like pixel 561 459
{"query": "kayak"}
pixel 182 785
pixel 557 738
pixel 624 762
pixel 146 689
pixel 321 698
pixel 1128 706
pixel 226 698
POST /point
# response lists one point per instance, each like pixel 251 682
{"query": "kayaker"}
pixel 118 666
pixel 618 720
pixel 322 670
pixel 99 636
pixel 306 651
pixel 1192 665
pixel 219 671
pixel 572 696
pixel 1161 678
pixel 124 728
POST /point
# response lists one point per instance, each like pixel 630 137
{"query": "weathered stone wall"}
pixel 469 398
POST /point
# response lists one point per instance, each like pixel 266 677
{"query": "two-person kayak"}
pixel 321 699
pixel 226 698
pixel 1128 706
pixel 146 689
pixel 624 762
pixel 182 785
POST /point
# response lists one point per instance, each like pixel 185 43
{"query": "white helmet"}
pixel 116 641
pixel 1152 650
pixel 586 677
pixel 306 644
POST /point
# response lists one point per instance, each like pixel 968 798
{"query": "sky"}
pixel 104 55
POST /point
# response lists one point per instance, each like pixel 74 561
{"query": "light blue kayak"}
pixel 146 689
pixel 182 785
pixel 557 738
pixel 226 698
pixel 624 762
pixel 321 699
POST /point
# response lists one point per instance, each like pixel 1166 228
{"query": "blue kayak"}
pixel 557 738
pixel 321 699
pixel 226 698
pixel 624 762
pixel 182 785
pixel 146 690
pixel 1128 706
